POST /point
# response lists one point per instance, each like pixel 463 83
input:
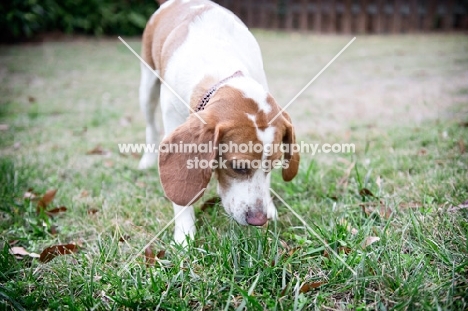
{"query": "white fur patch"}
pixel 266 136
pixel 194 7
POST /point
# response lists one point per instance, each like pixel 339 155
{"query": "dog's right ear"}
pixel 179 170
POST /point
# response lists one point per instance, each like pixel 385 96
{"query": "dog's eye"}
pixel 240 168
pixel 241 171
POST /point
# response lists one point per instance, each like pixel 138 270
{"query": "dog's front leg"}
pixel 184 223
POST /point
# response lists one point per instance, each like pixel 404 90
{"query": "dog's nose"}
pixel 256 218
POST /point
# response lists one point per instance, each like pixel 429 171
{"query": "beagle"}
pixel 213 90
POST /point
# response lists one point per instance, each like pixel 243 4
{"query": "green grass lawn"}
pixel 402 100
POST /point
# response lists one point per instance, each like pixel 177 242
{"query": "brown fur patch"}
pixel 167 30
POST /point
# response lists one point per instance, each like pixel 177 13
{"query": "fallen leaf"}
pixel 18 250
pixel 92 211
pixel 461 146
pixel 161 254
pixel 45 200
pixel 422 152
pixel 98 150
pixel 124 238
pixel 57 250
pixel 370 207
pixel 55 211
pixel 13 242
pixel 4 127
pixel 341 249
pixel 149 256
pixel 458 207
pixel 370 240
pixel 31 99
pixel 309 286
pixel 53 230
pixel 84 194
pixel 366 193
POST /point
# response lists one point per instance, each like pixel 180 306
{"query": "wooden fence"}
pixel 353 16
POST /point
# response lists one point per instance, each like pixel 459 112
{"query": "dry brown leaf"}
pixel 92 211
pixel 461 146
pixel 149 256
pixel 366 193
pixel 124 238
pixel 31 99
pixel 161 254
pixel 370 207
pixel 458 207
pixel 45 200
pixel 307 287
pixel 370 240
pixel 422 152
pixel 57 250
pixel 53 230
pixel 55 211
pixel 98 150
pixel 84 194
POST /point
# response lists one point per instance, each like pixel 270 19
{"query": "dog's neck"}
pixel 206 88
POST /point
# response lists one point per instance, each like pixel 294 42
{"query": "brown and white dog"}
pixel 207 58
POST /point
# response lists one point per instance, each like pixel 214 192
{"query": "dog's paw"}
pixel 181 237
pixel 147 161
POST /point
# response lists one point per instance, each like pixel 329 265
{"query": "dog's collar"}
pixel 206 98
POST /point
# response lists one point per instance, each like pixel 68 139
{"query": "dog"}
pixel 206 70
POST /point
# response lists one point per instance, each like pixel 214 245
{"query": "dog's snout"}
pixel 256 218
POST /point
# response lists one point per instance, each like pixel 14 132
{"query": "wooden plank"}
pixel 332 16
pixel 379 16
pixel 397 24
pixel 429 16
pixel 413 17
pixel 264 13
pixel 289 15
pixel 250 14
pixel 318 16
pixel 447 21
pixel 362 17
pixel 304 16
pixel 347 17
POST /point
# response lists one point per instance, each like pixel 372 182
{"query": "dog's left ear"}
pixel 291 157
pixel 182 175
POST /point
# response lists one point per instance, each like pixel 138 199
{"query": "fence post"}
pixel 447 22
pixel 396 16
pixel 318 16
pixel 429 18
pixel 414 18
pixel 361 24
pixel 379 17
pixel 332 17
pixel 303 21
pixel 347 16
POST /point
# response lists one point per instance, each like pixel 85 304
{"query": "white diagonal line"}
pixel 313 232
pixel 313 79
pixel 161 79
pixel 162 230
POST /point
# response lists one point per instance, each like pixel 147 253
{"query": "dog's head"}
pixel 238 146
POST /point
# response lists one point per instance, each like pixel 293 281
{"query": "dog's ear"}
pixel 291 157
pixel 181 176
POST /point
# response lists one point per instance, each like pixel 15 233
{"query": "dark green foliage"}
pixel 22 19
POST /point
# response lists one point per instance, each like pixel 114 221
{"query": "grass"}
pixel 401 100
